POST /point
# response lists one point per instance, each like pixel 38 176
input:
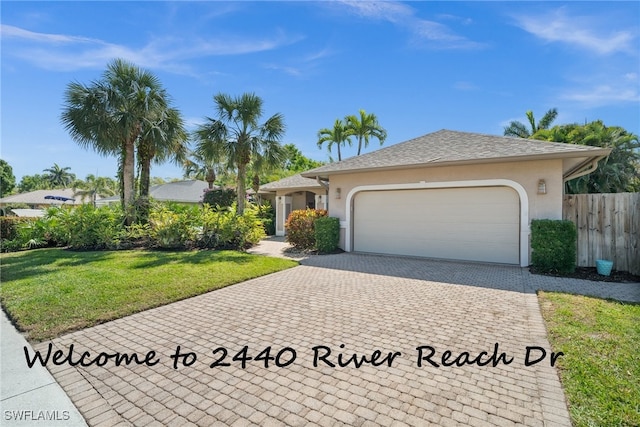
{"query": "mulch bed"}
pixel 590 273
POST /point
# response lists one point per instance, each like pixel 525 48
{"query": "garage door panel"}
pixel 478 224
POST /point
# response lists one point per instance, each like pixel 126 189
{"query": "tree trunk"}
pixel 339 156
pixel 211 177
pixel 242 176
pixel 128 181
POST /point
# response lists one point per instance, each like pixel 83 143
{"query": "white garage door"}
pixel 475 224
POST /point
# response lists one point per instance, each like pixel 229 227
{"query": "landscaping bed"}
pixel 590 273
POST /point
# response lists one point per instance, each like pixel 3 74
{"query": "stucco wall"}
pixel 527 174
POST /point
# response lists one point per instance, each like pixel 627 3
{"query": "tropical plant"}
pixel 619 172
pixel 300 227
pixel 111 115
pixel 196 166
pixel 163 139
pixel 520 130
pixel 58 176
pixel 363 127
pixel 220 197
pixel 337 136
pixel 237 136
pixel 94 187
pixel 7 178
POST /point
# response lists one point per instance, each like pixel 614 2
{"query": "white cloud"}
pixel 581 31
pixel 63 52
pixel 465 86
pixel 604 94
pixel 427 33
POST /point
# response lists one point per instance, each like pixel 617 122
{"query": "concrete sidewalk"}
pixel 30 396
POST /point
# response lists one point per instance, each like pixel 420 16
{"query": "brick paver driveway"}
pixel 314 318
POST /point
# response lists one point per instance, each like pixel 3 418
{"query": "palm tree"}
pixel 59 177
pixel 520 130
pixel 238 137
pixel 111 115
pixel 94 186
pixel 338 136
pixel 365 127
pixel 196 166
pixel 619 172
pixel 164 139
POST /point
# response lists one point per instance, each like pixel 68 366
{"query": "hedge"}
pixel 553 245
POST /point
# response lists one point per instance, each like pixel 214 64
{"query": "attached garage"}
pixel 474 223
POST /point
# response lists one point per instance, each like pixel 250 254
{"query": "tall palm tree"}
pixel 364 127
pixel 111 114
pixel 520 130
pixel 59 177
pixel 336 136
pixel 164 139
pixel 238 137
pixel 94 186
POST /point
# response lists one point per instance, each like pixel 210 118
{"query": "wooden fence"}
pixel 608 228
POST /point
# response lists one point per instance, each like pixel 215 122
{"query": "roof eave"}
pixel 599 153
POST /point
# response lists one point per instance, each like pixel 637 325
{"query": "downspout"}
pixel 592 166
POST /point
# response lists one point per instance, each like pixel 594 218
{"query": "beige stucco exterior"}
pixel 287 200
pixel 526 174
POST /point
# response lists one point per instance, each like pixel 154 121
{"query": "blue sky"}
pixel 419 66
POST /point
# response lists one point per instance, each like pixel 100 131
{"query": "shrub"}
pixel 553 245
pixel 220 198
pixel 8 226
pixel 171 230
pixel 91 228
pixel 327 234
pixel 267 215
pixel 225 229
pixel 299 225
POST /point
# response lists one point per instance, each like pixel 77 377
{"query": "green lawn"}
pixel 52 291
pixel 600 371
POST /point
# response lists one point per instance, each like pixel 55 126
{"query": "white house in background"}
pixel 39 200
pixel 190 191
pixel 447 194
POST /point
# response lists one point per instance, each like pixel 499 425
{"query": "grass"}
pixel 48 292
pixel 600 371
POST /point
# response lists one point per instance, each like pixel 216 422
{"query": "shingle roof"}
pixel 190 191
pixel 447 146
pixel 180 191
pixel 295 181
pixel 37 197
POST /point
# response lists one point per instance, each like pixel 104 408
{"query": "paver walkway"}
pixel 308 316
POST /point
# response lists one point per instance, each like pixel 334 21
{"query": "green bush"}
pixel 172 230
pixel 9 224
pixel 300 230
pixel 220 198
pixel 226 230
pixel 91 228
pixel 267 215
pixel 553 245
pixel 327 234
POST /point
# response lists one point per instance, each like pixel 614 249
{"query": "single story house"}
pixel 189 191
pixel 451 195
pixel 39 200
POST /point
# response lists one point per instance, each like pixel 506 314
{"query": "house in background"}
pixel 189 192
pixel 449 195
pixel 39 200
